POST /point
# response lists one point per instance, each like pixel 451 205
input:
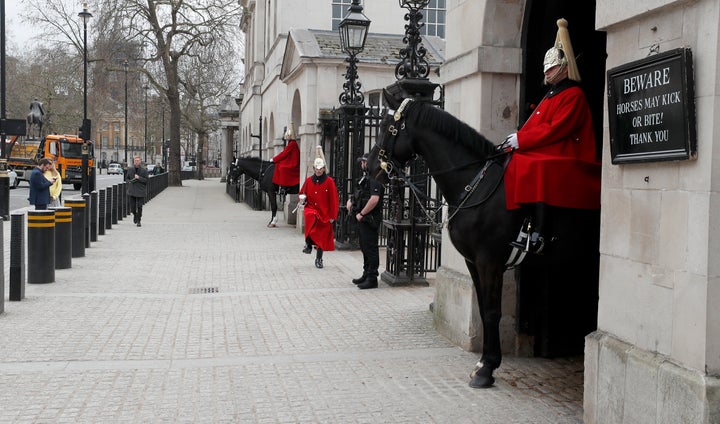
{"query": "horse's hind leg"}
pixel 488 286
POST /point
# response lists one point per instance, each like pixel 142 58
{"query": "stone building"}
pixel 655 354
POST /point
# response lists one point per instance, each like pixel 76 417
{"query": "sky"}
pixel 17 33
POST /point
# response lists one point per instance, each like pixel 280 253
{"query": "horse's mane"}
pixel 255 160
pixel 449 126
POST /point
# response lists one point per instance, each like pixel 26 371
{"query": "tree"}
pixel 171 33
pixel 158 35
pixel 202 92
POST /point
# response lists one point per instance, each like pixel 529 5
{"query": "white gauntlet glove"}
pixel 512 141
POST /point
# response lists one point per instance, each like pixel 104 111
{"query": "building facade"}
pixel 655 355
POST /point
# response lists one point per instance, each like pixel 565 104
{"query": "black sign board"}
pixel 13 126
pixel 651 109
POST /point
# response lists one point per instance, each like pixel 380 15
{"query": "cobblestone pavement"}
pixel 204 315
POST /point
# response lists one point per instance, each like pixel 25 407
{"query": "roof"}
pixel 379 48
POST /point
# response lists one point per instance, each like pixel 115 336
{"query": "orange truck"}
pixel 65 149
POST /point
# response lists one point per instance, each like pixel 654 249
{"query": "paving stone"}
pixel 205 315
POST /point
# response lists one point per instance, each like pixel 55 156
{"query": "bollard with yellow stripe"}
pixel 63 237
pixel 78 226
pixel 41 246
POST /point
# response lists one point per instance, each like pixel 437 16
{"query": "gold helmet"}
pixel 319 162
pixel 290 133
pixel 562 52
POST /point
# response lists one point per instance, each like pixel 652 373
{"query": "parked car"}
pixel 14 181
pixel 115 168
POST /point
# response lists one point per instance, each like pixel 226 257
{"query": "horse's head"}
pixel 393 149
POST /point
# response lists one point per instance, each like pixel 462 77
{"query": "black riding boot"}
pixel 318 258
pixel 531 237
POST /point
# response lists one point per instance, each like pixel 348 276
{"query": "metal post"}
pixel 85 128
pixel 125 66
pixel 4 188
pixel 145 87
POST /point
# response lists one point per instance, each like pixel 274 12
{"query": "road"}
pixel 19 196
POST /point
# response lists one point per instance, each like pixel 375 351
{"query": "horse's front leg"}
pixel 488 286
pixel 273 209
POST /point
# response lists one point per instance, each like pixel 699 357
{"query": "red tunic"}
pixel 287 166
pixel 320 207
pixel 555 161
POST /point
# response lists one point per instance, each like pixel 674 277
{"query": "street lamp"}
pixel 146 88
pixel 353 33
pixel 85 129
pixel 125 66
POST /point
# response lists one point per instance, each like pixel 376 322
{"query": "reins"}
pixel 391 167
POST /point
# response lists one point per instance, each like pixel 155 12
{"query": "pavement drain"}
pixel 204 290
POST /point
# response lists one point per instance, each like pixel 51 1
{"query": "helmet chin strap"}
pixel 551 79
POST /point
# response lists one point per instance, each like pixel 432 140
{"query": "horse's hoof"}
pixel 480 382
pixel 481 377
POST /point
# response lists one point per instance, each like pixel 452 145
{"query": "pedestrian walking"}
pixel 137 176
pixel 365 206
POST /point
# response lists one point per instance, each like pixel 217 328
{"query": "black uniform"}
pixel 368 226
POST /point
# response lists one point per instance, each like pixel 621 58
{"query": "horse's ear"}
pixel 391 99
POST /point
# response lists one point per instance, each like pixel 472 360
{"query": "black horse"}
pixel 262 172
pixel 478 223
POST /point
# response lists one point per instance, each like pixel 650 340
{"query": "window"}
pixel 339 10
pixel 104 141
pixel 117 141
pixel 434 18
pixel 116 127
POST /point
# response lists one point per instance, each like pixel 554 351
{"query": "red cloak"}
pixel 287 166
pixel 321 206
pixel 555 161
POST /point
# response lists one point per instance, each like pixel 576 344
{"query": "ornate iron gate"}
pixel 412 237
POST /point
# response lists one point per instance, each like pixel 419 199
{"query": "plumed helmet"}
pixel 290 133
pixel 319 162
pixel 562 52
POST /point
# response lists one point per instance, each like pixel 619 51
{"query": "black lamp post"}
pixel 146 88
pixel 85 129
pixel 353 33
pixel 164 147
pixel 125 66
pixel 351 127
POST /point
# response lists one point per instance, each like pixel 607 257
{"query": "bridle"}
pixel 387 163
pixel 394 171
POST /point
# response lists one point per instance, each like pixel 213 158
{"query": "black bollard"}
pixel 125 200
pixel 93 215
pixel 112 204
pixel 101 212
pixel 117 198
pixel 2 263
pixel 63 237
pixel 78 226
pixel 41 246
pixel 17 257
pixel 86 229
